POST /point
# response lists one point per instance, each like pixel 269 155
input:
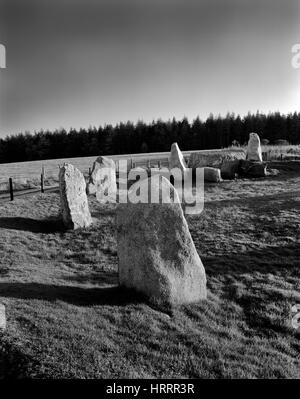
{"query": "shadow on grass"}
pixel 33 225
pixel 256 201
pixel 16 364
pixel 3 271
pixel 100 213
pixel 79 296
pixel 246 282
pixel 275 260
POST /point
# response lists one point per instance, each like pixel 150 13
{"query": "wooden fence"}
pixel 13 191
pixel 16 191
pixel 131 163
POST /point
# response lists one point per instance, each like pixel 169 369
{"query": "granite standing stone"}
pixel 254 148
pixel 73 199
pixel 176 158
pixel 157 255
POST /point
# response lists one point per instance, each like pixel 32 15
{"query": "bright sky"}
pixel 90 62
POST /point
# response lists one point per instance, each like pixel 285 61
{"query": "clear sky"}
pixel 90 62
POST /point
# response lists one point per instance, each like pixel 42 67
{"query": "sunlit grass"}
pixel 68 318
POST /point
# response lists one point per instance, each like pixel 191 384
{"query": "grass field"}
pixel 68 318
pixel 27 174
pixel 31 171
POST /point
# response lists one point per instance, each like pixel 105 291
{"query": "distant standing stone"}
pixel 73 199
pixel 102 181
pixel 176 158
pixel 254 148
pixel 157 255
pixel 2 317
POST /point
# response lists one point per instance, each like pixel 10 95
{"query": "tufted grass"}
pixel 67 318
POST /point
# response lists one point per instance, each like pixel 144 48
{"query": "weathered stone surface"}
pixel 157 255
pixel 2 317
pixel 102 181
pixel 254 148
pixel 73 199
pixel 226 160
pixel 212 174
pixel 253 169
pixel 176 158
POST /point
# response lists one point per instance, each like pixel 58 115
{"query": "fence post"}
pixel 11 191
pixel 159 165
pixel 148 164
pixel 42 180
pixel 131 163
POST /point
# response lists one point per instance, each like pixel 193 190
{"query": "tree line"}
pixel 130 138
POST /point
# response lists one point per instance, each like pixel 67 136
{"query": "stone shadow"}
pixel 16 364
pixel 32 225
pixel 257 201
pixel 276 260
pixel 79 296
pixel 249 293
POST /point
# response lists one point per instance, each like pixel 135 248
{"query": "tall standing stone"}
pixel 176 158
pixel 102 181
pixel 73 199
pixel 254 148
pixel 157 255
